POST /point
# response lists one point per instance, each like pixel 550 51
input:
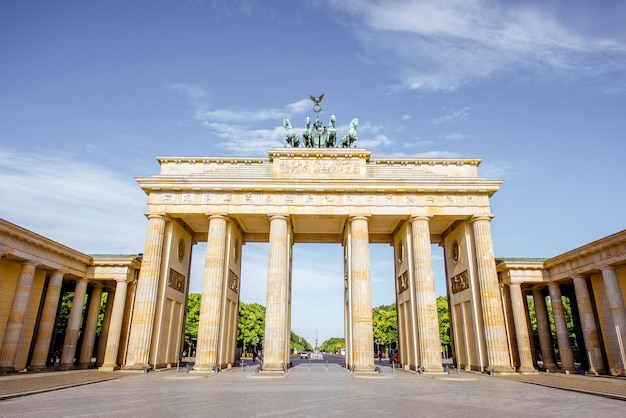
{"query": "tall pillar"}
pixel 543 329
pixel 362 321
pixel 588 325
pixel 15 321
pixel 276 315
pixel 89 334
pixel 104 332
pixel 562 333
pixel 115 326
pixel 498 357
pixel 73 326
pixel 521 329
pixel 46 322
pixel 425 296
pixel 210 322
pixel 616 305
pixel 146 296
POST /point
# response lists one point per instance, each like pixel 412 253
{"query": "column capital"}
pixel 284 216
pixel 579 277
pixel 365 218
pixel 487 218
pixel 96 284
pixel 150 215
pixel 606 267
pixel 217 216
pixel 421 218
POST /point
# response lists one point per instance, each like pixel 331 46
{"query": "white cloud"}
pixel 442 45
pixel 85 207
pixel 452 115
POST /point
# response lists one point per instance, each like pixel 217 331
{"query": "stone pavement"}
pixel 306 391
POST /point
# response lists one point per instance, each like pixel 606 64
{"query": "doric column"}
pixel 616 305
pixel 15 321
pixel 362 331
pixel 146 296
pixel 493 315
pixel 212 288
pixel 73 325
pixel 276 315
pixel 104 332
pixel 425 297
pixel 588 325
pixel 46 322
pixel 115 326
pixel 89 333
pixel 521 329
pixel 543 329
pixel 562 333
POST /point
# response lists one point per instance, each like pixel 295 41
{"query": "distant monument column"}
pixel 543 329
pixel 46 322
pixel 210 322
pixel 15 321
pixel 562 333
pixel 146 295
pixel 361 295
pixel 588 325
pixel 89 333
pixel 493 315
pixel 115 326
pixel 276 344
pixel 426 299
pixel 73 325
pixel 521 329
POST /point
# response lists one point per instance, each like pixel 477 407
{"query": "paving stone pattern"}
pixel 307 391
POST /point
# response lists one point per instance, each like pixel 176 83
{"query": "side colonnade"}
pixel 579 294
pixel 36 274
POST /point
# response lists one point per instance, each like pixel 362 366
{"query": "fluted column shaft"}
pixel 104 332
pixel 146 295
pixel 15 321
pixel 361 288
pixel 115 326
pixel 73 325
pixel 521 328
pixel 543 329
pixel 46 322
pixel 498 357
pixel 425 296
pixel 588 325
pixel 618 312
pixel 89 334
pixel 562 333
pixel 276 316
pixel 212 288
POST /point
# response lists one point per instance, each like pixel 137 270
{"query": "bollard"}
pixel 145 370
pixel 491 372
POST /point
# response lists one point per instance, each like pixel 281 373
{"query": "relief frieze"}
pixel 319 167
pixel 176 281
pixel 319 198
pixel 403 282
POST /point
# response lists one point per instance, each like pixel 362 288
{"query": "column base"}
pixel 205 368
pixel 6 370
pixel 108 368
pixel 37 368
pixel 500 370
pixel 137 368
pixel 527 370
pixel 65 367
pixel 83 366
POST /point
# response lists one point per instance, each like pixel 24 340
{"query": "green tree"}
pixel 443 315
pixel 299 342
pixel 385 325
pixel 333 345
pixel 191 323
pixel 251 325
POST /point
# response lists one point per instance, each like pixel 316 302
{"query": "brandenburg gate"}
pixel 319 195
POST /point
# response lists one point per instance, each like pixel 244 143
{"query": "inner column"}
pixel 361 287
pixel 276 345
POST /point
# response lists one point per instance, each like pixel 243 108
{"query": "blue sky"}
pixel 91 92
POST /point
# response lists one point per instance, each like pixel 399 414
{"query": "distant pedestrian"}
pixel 380 356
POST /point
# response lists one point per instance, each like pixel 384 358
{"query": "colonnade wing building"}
pixel 300 195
